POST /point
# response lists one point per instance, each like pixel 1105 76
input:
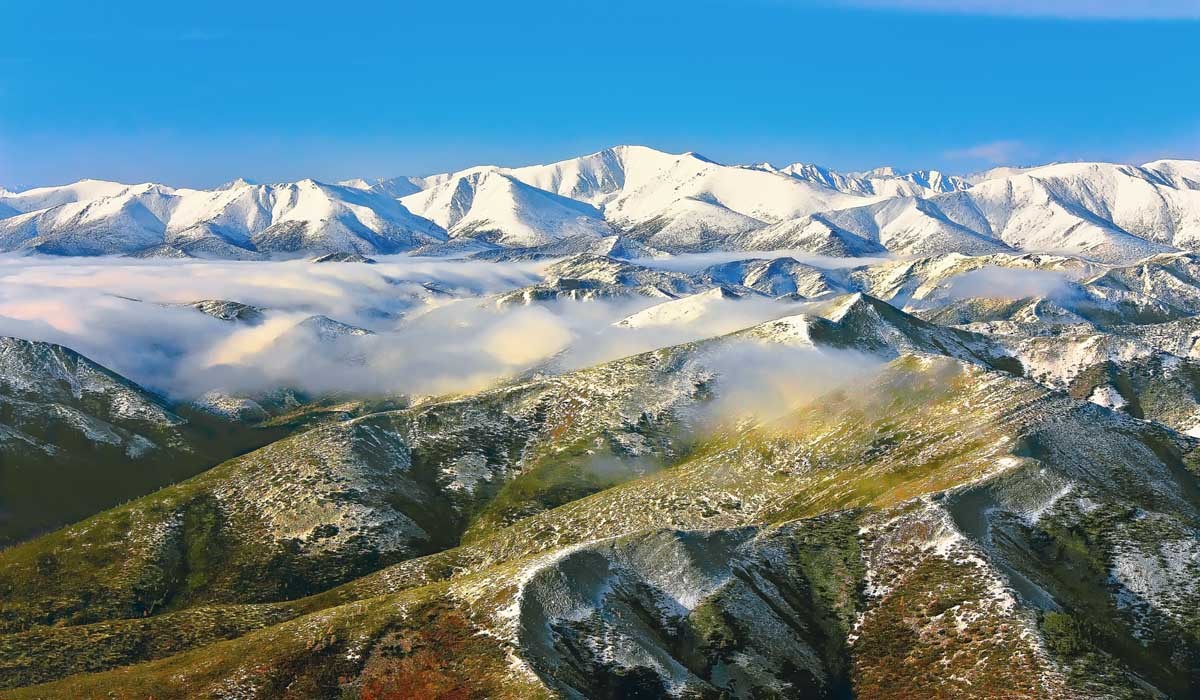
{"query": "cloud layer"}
pixel 133 316
pixel 404 326
pixel 1009 283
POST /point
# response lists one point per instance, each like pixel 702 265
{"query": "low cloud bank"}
pixel 131 315
pixel 766 381
pixel 1010 283
pixel 432 327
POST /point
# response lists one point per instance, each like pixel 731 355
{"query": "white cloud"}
pixel 129 315
pixel 1062 9
pixel 1004 152
pixel 1009 283
pixel 527 337
pixel 768 381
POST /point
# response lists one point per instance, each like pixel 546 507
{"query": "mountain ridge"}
pixel 670 202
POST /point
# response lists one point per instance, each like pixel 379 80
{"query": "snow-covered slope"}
pixel 674 203
pixel 392 187
pixel 1101 210
pixel 1180 173
pixel 46 197
pixel 813 234
pixel 654 181
pixel 592 178
pixel 1111 212
pixel 501 209
pixel 678 201
pixel 685 202
pixel 885 181
pixel 124 220
pixel 311 216
pixel 775 277
pixel 92 217
pixel 694 225
pixel 687 311
pixel 915 227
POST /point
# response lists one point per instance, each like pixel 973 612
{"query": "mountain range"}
pixel 662 202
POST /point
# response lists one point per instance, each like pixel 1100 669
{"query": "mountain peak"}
pixel 700 157
pixel 236 183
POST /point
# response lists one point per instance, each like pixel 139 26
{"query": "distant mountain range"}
pixel 654 201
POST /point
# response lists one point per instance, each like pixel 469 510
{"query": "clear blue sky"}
pixel 195 93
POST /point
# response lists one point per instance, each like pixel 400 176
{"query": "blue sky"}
pixel 199 93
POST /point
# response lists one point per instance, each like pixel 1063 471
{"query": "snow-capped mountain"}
pixel 687 202
pixel 652 182
pixel 671 203
pixel 46 197
pixel 813 234
pixel 91 217
pixel 776 277
pixel 689 310
pixel 1103 211
pixel 392 187
pixel 1099 209
pixel 679 200
pixel 914 226
pixel 694 225
pixel 499 208
pixel 884 181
